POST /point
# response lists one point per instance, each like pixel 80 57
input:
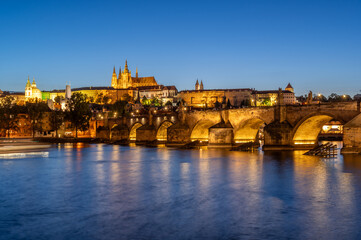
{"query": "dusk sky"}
pixel 314 45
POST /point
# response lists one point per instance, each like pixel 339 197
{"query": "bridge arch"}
pixel 133 131
pixel 247 130
pixel 162 130
pixel 308 128
pixel 200 130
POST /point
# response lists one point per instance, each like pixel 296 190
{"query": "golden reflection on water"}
pixel 322 179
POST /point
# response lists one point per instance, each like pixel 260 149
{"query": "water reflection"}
pixel 112 192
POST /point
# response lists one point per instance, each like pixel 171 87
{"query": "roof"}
pixel 270 91
pixel 289 85
pixel 224 90
pixel 144 80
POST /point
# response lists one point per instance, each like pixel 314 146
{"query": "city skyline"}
pixel 227 45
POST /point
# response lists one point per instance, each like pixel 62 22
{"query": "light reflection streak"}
pixel 23 155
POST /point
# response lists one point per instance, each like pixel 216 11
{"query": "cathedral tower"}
pixel 125 80
pixel 114 79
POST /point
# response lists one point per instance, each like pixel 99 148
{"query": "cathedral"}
pixel 124 80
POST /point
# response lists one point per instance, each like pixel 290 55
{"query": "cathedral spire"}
pixel 201 86
pixel 136 72
pixel 114 79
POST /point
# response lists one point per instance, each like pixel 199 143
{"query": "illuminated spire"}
pixel 197 85
pixel 126 67
pixel 201 86
pixel 114 70
pixel 136 72
pixel 28 82
pixel 33 84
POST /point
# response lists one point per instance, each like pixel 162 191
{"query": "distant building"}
pixel 31 91
pixel 122 87
pixel 164 93
pixel 207 98
pixel 270 97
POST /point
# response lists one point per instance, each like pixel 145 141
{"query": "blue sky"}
pixel 262 44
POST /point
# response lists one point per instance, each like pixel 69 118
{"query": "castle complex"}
pixel 122 86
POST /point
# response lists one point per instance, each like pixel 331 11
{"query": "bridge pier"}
pixel 352 136
pixel 146 133
pixel 178 134
pixel 221 135
pixel 119 133
pixel 278 136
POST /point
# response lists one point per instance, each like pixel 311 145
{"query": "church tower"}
pixel 201 86
pixel 33 85
pixel 197 85
pixel 114 79
pixel 28 89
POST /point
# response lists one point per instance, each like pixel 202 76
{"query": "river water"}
pixel 116 192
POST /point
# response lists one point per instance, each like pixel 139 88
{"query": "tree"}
pixel 78 112
pixel 58 99
pixel 346 98
pixel 119 107
pixel 334 98
pixel 106 99
pixel 156 102
pixel 8 114
pixel 36 112
pixel 99 98
pixel 266 102
pixel 57 119
pixel 145 100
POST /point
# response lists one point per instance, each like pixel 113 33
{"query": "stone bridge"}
pixel 286 126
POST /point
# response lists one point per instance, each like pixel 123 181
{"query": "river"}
pixel 118 192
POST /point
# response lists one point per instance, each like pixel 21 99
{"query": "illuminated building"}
pixel 269 97
pixel 31 91
pixel 207 98
pixel 122 87
pixel 125 80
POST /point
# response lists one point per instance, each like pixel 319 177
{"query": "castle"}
pixel 125 79
pixel 121 86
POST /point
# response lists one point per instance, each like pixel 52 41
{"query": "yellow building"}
pixel 206 98
pixel 125 79
pixel 31 91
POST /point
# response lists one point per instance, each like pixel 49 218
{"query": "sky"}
pixel 313 44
